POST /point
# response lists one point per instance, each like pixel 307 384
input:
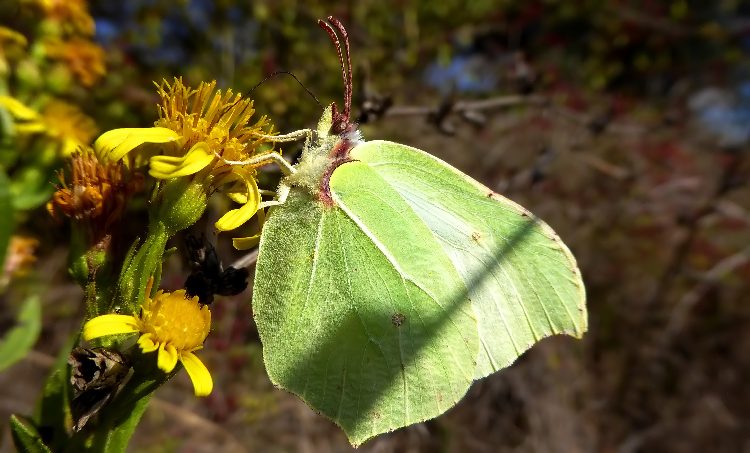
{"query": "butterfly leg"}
pixel 274 157
pixel 281 195
pixel 264 159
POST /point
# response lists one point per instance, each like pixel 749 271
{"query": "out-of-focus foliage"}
pixel 634 46
pixel 48 62
pixel 18 341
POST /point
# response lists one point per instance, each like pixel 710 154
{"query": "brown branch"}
pixel 374 107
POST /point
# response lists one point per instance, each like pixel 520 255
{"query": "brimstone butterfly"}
pixel 388 281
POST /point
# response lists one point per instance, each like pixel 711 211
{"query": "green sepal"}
pixel 25 436
pixel 179 204
pixel 79 267
pixel 143 265
pixel 19 340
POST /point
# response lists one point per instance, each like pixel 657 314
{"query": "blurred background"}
pixel 624 124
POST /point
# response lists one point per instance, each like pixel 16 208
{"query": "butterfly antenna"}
pixel 341 120
pixel 278 73
pixel 346 71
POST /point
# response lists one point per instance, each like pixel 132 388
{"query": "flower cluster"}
pixel 201 134
pixel 48 52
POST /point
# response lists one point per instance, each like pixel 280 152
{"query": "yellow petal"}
pixel 109 325
pixel 237 192
pixel 242 186
pixel 147 343
pixel 202 382
pixel 246 243
pixel 113 145
pixel 249 242
pixel 166 358
pixel 236 217
pixel 195 160
pixel 18 109
pixel 8 36
pixel 30 128
pixel 69 146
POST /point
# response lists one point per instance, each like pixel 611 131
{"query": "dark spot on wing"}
pixel 397 319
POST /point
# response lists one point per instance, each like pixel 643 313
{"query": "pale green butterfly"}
pixel 387 281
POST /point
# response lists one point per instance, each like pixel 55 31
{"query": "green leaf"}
pixel 381 304
pixel 26 437
pixel 31 187
pixel 6 216
pixel 19 340
pixel 114 438
pixel 52 414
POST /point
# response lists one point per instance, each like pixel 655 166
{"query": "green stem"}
pixel 140 267
pixel 178 204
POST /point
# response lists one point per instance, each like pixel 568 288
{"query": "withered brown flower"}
pixel 93 192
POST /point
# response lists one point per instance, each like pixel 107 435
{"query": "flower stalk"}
pixel 176 206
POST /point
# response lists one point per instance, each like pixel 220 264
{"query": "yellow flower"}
pixel 84 58
pixel 60 121
pixel 71 14
pixel 68 126
pixel 203 134
pixel 171 324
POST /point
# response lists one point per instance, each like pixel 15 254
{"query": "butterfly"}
pixel 387 280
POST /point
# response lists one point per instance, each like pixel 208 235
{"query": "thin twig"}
pixel 682 248
pixel 680 312
pixel 247 260
pixel 464 106
pixel 192 421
